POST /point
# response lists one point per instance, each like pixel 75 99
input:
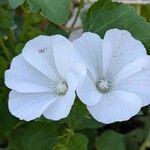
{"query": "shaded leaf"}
pixel 7 121
pixel 145 11
pixel 6 20
pixel 3 66
pixel 134 138
pixel 53 29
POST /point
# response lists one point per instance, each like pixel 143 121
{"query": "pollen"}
pixel 103 86
pixel 61 88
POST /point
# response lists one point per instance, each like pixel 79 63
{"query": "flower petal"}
pixel 64 55
pixel 116 106
pixel 39 53
pixel 29 106
pixel 133 68
pixel 88 92
pixel 138 84
pixel 61 107
pixel 89 48
pixel 119 49
pixel 22 77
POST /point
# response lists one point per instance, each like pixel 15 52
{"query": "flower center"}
pixel 103 86
pixel 61 88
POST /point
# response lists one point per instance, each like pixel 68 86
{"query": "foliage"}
pixel 110 140
pixel 55 10
pixel 22 20
pixel 105 15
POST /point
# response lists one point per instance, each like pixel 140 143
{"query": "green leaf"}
pixel 56 11
pixel 15 3
pixel 110 140
pixel 105 15
pixel 77 142
pixel 79 118
pixel 33 136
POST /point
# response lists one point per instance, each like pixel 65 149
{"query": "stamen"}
pixel 103 86
pixel 61 88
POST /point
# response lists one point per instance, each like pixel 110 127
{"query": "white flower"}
pixel 43 79
pixel 118 80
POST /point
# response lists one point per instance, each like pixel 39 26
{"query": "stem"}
pixel 12 35
pixel 62 136
pixel 18 125
pixel 27 19
pixel 144 146
pixel 138 9
pixel 70 132
pixel 74 22
pixel 78 13
pixel 6 51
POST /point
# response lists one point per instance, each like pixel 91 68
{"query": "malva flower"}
pixel 117 84
pixel 43 79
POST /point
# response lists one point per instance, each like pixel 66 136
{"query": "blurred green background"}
pixel 79 131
